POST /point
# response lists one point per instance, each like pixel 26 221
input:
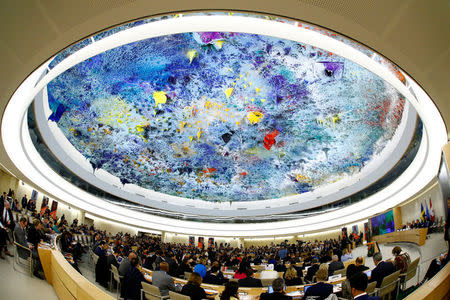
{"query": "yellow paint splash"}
pixel 254 117
pixel 228 92
pixel 219 44
pixel 160 97
pixel 191 54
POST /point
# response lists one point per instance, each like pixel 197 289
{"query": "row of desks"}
pixel 250 293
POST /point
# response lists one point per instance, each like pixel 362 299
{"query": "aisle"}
pixel 87 271
pixel 19 285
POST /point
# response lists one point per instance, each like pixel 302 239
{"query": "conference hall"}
pixel 292 149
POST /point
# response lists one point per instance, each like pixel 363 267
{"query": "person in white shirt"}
pixel 347 254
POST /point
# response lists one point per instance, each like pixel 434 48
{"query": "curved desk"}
pixel 67 282
pixel 417 236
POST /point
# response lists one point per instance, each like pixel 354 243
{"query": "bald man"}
pixel 163 280
pixel 125 265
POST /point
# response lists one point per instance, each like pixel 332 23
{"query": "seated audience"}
pixel 358 266
pixel 240 273
pixel 200 268
pixel 291 276
pixel 213 276
pixel 336 264
pixel 230 292
pixel 184 266
pixel 435 266
pixel 125 264
pixel 321 289
pixel 346 255
pixel 163 281
pixel 268 273
pixel 19 234
pixel 382 269
pixel 279 292
pixel 358 284
pixel 312 270
pixel 249 280
pixel 192 287
pixel 132 281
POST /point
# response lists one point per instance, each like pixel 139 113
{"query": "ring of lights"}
pixel 26 158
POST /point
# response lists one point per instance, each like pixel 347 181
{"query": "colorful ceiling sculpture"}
pixel 225 116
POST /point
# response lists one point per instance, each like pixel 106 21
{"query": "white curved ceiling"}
pixel 433 79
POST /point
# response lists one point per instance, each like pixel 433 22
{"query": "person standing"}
pixel 24 202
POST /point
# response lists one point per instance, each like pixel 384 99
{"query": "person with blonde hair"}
pixel 193 289
pixel 320 289
pixel 291 276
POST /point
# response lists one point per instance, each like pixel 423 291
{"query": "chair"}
pixel 17 258
pixel 349 262
pixel 410 272
pixel 339 272
pixel 116 277
pixel 187 274
pixel 371 288
pixel 267 281
pixel 388 285
pixel 151 292
pixel 94 260
pixel 176 296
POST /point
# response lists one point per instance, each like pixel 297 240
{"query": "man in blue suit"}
pixel 382 269
pixel 358 284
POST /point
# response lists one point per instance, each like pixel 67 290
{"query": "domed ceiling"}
pixel 225 116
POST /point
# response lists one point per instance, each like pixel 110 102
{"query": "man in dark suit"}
pixel 7 217
pixel 312 270
pixel 132 281
pixel 336 264
pixel 163 281
pixel 358 284
pixel 382 269
pixel 249 281
pixel 278 291
pixel 24 203
pixel 213 277
pixel 358 266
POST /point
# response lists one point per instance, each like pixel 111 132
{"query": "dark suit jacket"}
pixel 320 289
pixel 250 282
pixel 353 269
pixel 131 285
pixel 382 270
pixel 311 272
pixel 11 219
pixel 274 296
pixel 214 279
pixel 333 266
pixel 194 291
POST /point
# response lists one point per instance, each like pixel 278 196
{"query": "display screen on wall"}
pixel 201 242
pixel 44 204
pixel 383 223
